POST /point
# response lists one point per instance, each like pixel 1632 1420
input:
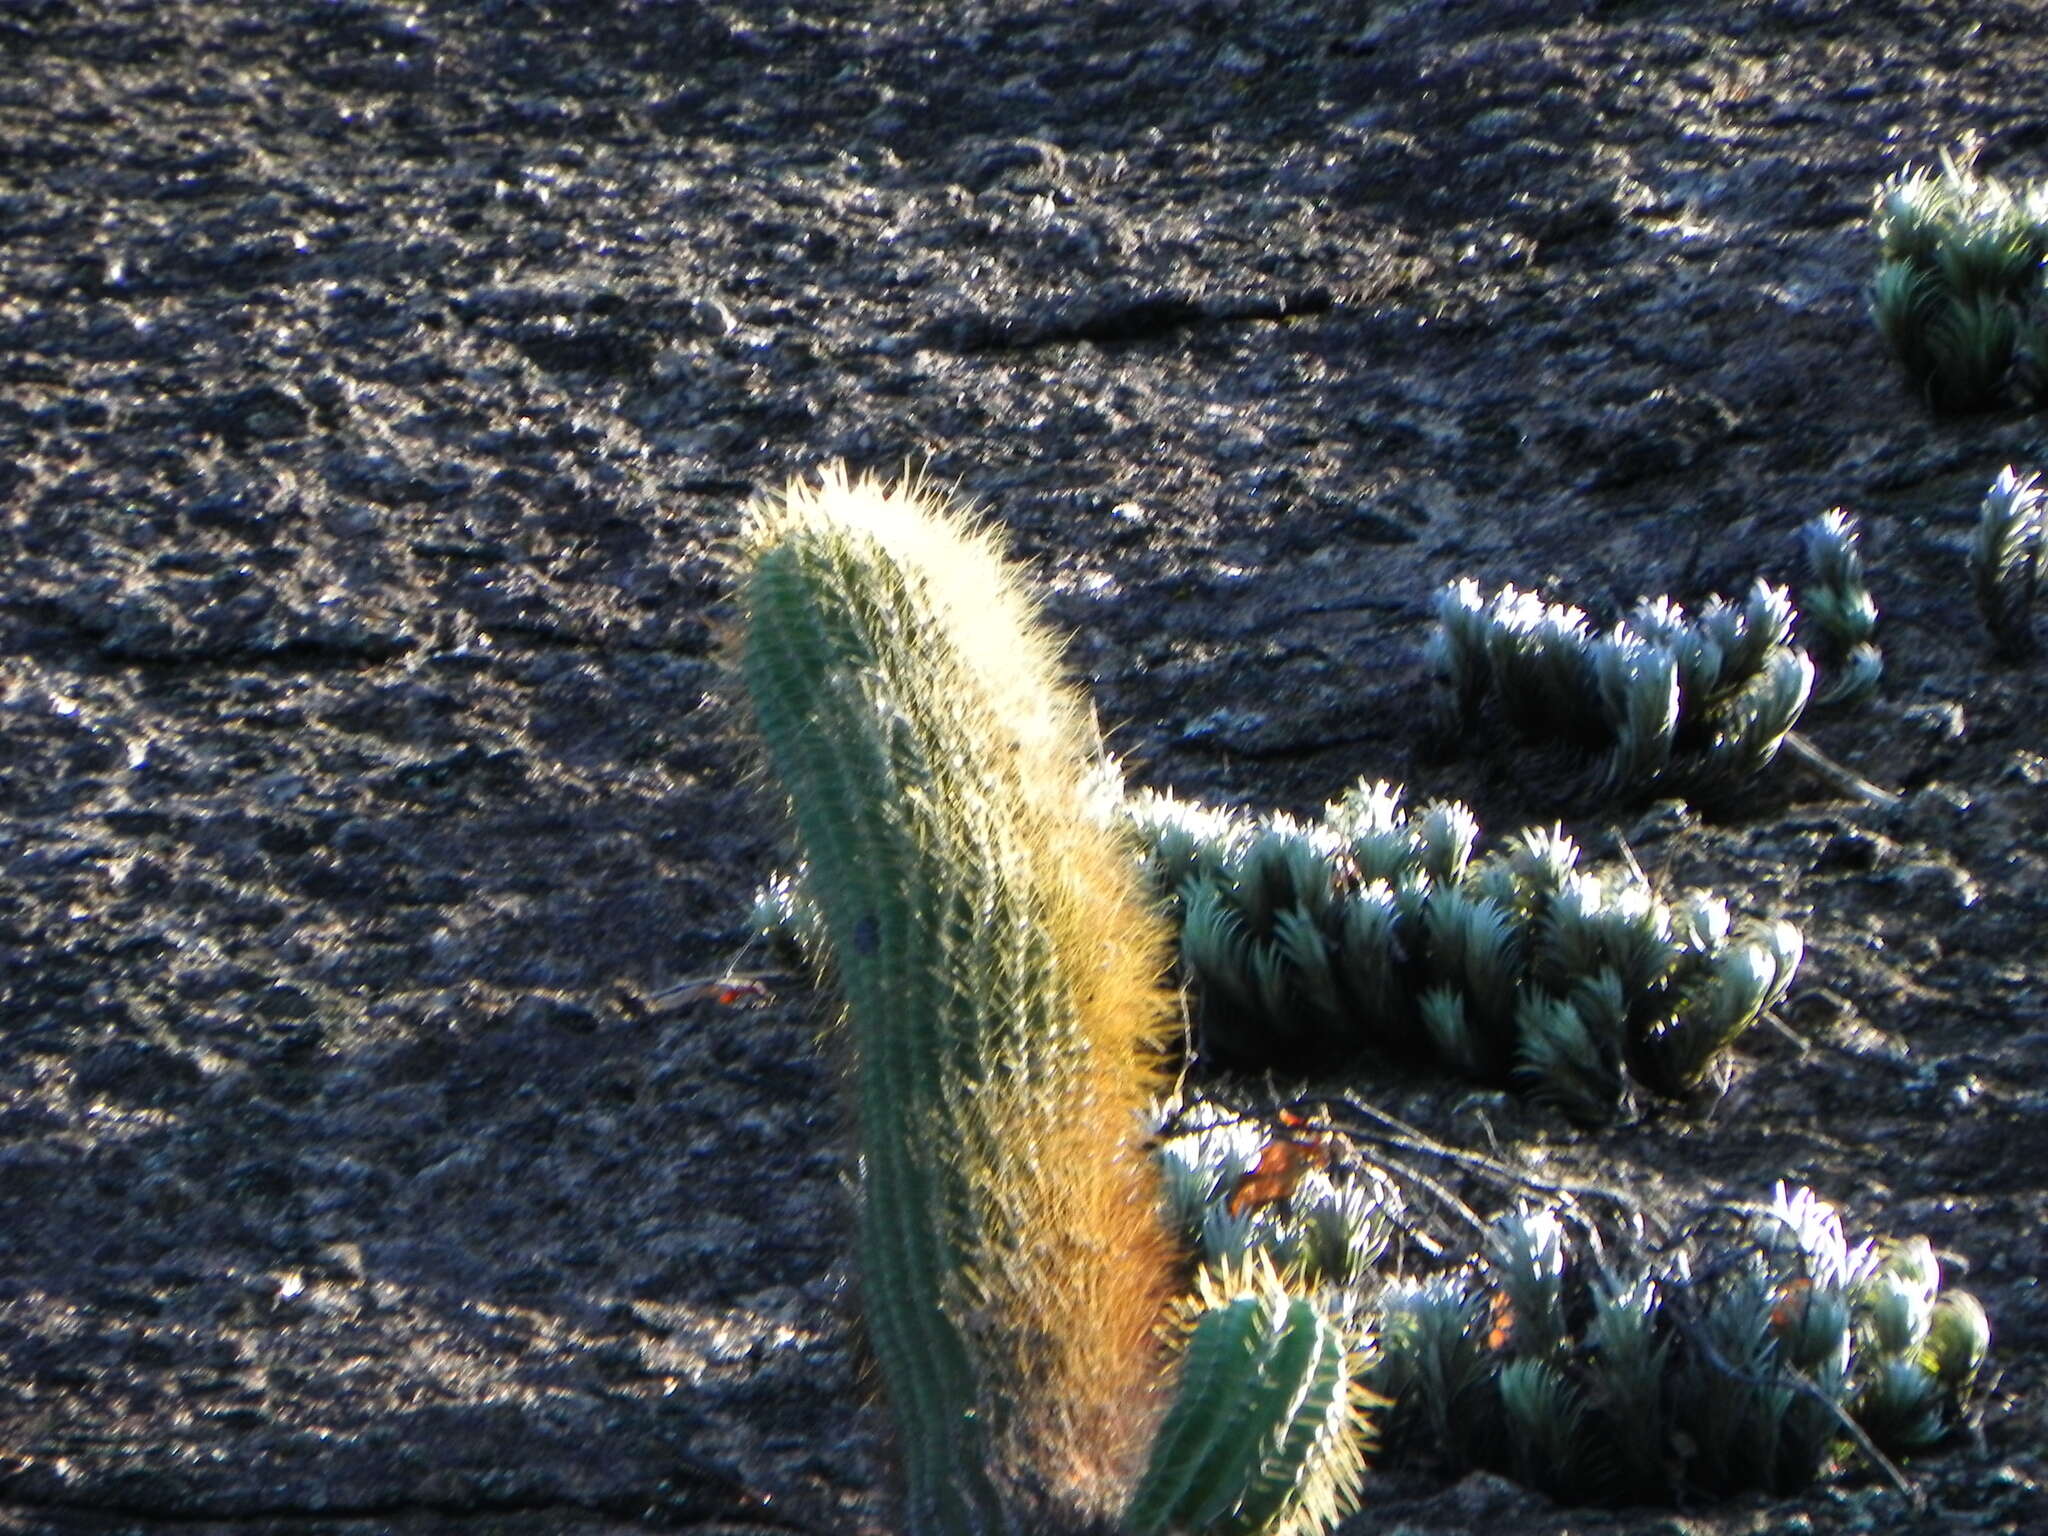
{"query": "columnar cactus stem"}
pixel 1004 1000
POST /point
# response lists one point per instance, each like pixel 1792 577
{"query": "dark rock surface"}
pixel 377 385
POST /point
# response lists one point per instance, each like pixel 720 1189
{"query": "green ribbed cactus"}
pixel 1263 1438
pixel 966 879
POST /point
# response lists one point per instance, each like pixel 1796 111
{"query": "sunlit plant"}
pixel 1378 931
pixel 1745 1355
pixel 1842 612
pixel 2006 556
pixel 1670 701
pixel 1958 285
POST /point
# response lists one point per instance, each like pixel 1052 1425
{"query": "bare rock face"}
pixel 378 384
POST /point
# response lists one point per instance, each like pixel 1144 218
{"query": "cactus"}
pixel 1673 703
pixel 1381 932
pixel 1004 1005
pixel 965 878
pixel 1263 1439
pixel 2007 554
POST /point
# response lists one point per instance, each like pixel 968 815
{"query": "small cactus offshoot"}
pixel 1693 705
pixel 1843 614
pixel 1959 283
pixel 2006 558
pixel 1267 1434
pixel 1378 931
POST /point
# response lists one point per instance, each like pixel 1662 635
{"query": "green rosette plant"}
pixel 1380 931
pixel 2007 554
pixel 1672 703
pixel 1958 286
pixel 1836 606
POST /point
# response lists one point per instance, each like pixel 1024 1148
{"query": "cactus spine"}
pixel 1004 999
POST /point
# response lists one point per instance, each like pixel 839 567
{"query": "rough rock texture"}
pixel 377 383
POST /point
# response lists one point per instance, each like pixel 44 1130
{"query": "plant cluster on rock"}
pixel 1670 702
pixel 1381 931
pixel 974 879
pixel 1565 1353
pixel 1958 289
